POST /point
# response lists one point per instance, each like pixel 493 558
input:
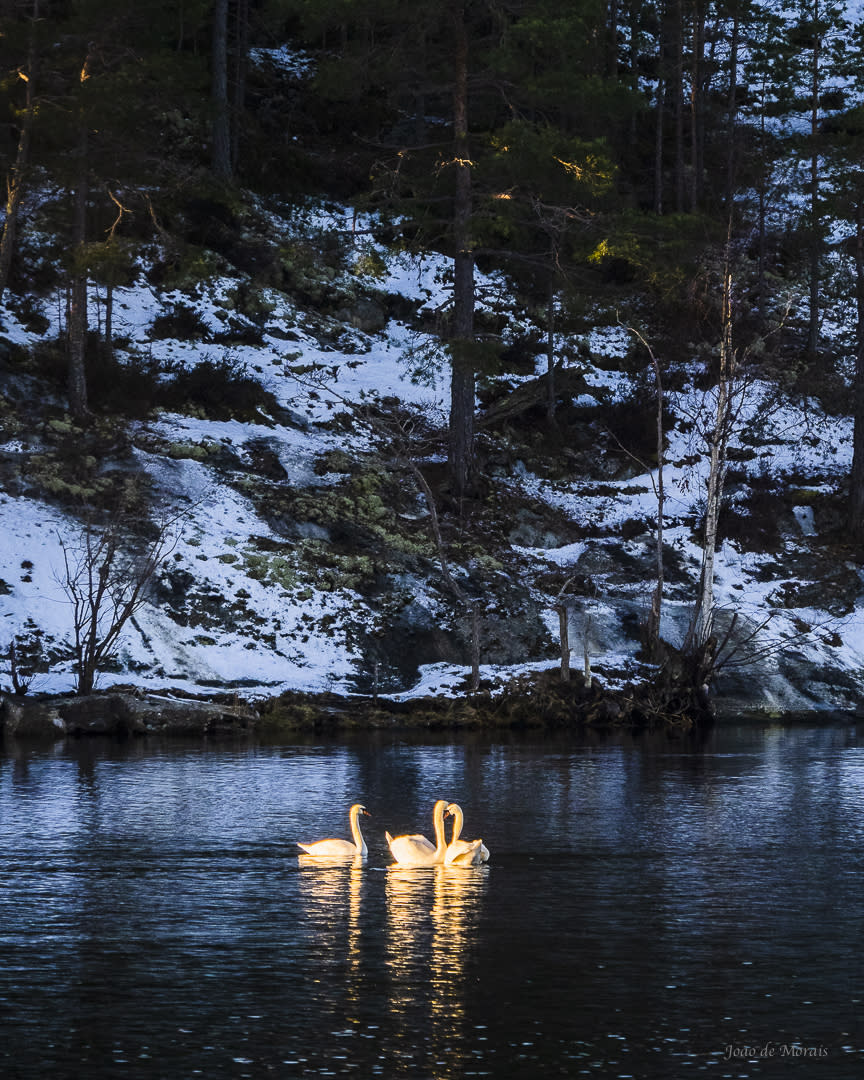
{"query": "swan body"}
pixel 342 849
pixel 463 852
pixel 416 850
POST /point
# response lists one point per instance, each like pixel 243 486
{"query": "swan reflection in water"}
pixel 332 891
pixel 432 915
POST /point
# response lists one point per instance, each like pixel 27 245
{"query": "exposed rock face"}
pixel 759 675
pixel 30 719
pixel 121 714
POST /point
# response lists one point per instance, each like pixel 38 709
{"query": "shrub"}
pixel 219 389
pixel 184 323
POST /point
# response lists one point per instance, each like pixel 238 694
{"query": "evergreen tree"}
pixel 846 132
pixel 814 49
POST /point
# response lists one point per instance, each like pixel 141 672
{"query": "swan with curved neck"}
pixel 416 850
pixel 463 852
pixel 343 848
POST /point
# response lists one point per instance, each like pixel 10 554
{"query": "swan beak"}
pixel 365 812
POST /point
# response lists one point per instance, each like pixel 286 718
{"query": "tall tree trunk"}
pixel 652 626
pixel 658 144
pixel 564 640
pixel 462 385
pixel 15 180
pixel 612 41
pixel 656 613
pixel 109 319
pixel 550 354
pixel 732 110
pixel 815 240
pixel 678 106
pixel 475 647
pixel 419 90
pixel 856 478
pixel 764 167
pixel 696 107
pixel 221 153
pixel 238 79
pixel 77 322
pixel 716 476
pixel 660 105
pixel 77 325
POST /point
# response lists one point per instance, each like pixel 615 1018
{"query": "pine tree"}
pixel 814 48
pixel 846 178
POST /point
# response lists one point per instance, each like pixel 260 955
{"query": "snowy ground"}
pixel 220 529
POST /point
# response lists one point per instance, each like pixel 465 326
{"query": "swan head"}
pixel 359 808
pixel 452 810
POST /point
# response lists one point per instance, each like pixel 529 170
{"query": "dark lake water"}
pixel 651 907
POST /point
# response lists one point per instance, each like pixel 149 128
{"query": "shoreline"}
pixel 544 704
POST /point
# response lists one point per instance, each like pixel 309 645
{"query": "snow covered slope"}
pixel 303 555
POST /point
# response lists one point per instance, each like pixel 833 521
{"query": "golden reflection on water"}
pixel 332 890
pixel 431 918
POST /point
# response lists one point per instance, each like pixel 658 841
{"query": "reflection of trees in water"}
pixel 431 919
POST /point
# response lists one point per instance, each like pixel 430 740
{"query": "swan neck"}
pixel 440 837
pixel 458 819
pixel 357 836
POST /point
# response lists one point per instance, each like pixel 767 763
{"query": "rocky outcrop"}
pixel 122 713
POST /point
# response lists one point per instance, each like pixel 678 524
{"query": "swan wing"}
pixel 466 853
pixel 456 850
pixel 331 848
pixel 413 850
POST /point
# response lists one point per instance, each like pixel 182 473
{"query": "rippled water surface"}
pixel 651 909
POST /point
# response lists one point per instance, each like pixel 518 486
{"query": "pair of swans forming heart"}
pixel 412 850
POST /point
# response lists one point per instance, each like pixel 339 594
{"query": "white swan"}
pixel 463 852
pixel 343 849
pixel 416 850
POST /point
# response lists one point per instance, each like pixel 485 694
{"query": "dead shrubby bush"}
pixel 24 658
pixel 219 389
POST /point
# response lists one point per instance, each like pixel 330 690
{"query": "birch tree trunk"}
pixel 550 355
pixel 109 319
pixel 718 445
pixel 656 613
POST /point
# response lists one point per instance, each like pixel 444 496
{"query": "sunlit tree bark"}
pixel 462 385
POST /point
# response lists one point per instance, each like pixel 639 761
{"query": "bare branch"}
pixel 106 584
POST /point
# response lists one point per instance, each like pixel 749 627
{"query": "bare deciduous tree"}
pixel 730 395
pixel 106 583
pixel 24 657
pixel 653 623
